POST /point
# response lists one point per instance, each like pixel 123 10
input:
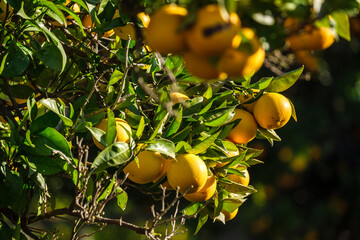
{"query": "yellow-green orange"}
pixel 188 172
pixel 229 215
pixel 150 166
pixel 245 60
pixel 123 131
pixel 244 180
pixel 129 28
pixel 246 129
pixel 205 193
pixel 202 67
pixel 272 110
pixel 213 31
pixel 163 33
pixel 313 39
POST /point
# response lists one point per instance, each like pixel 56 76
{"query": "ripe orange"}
pixel 312 39
pixel 229 215
pixel 240 179
pixel 123 130
pixel 163 32
pixel 164 169
pixel 272 110
pixel 187 171
pixel 201 67
pixel 246 130
pixel 177 97
pixel 129 28
pixel 213 31
pixel 150 166
pixel 245 60
pixel 205 193
pixel 309 61
pixel 87 23
pixel 3 10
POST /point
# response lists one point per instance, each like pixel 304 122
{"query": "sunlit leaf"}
pixel 285 81
pixel 114 155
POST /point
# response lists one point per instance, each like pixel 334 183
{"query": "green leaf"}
pixel 50 55
pixel 49 119
pixel 204 144
pixel 162 146
pixel 192 106
pixel 74 15
pixel 12 185
pixel 192 208
pixel 46 165
pixel 56 41
pixel 114 155
pixel 159 128
pixel 285 81
pixel 58 109
pixel 262 83
pixel 58 14
pixel 55 140
pixel 107 191
pixel 14 62
pixel 237 188
pixel 231 204
pixel 182 145
pixel 98 134
pixel 111 128
pixel 181 135
pixel 293 112
pixel 219 116
pixel 176 123
pixel 121 198
pixel 115 77
pixel 269 133
pixel 342 24
pixel 141 127
pixel 203 217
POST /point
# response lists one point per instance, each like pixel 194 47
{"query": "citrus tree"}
pixel 161 98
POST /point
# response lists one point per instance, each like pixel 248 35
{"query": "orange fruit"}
pixel 205 193
pixel 75 8
pixel 164 169
pixel 309 61
pixel 229 215
pixel 177 97
pixel 129 29
pixel 123 131
pixel 188 172
pixel 246 130
pixel 88 23
pixel 201 67
pixel 240 179
pixel 150 166
pixel 3 10
pixel 213 31
pixel 245 60
pixel 163 33
pixel 272 110
pixel 311 39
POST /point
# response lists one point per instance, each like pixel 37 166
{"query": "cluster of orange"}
pixel 188 172
pixel 213 47
pixel 305 38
